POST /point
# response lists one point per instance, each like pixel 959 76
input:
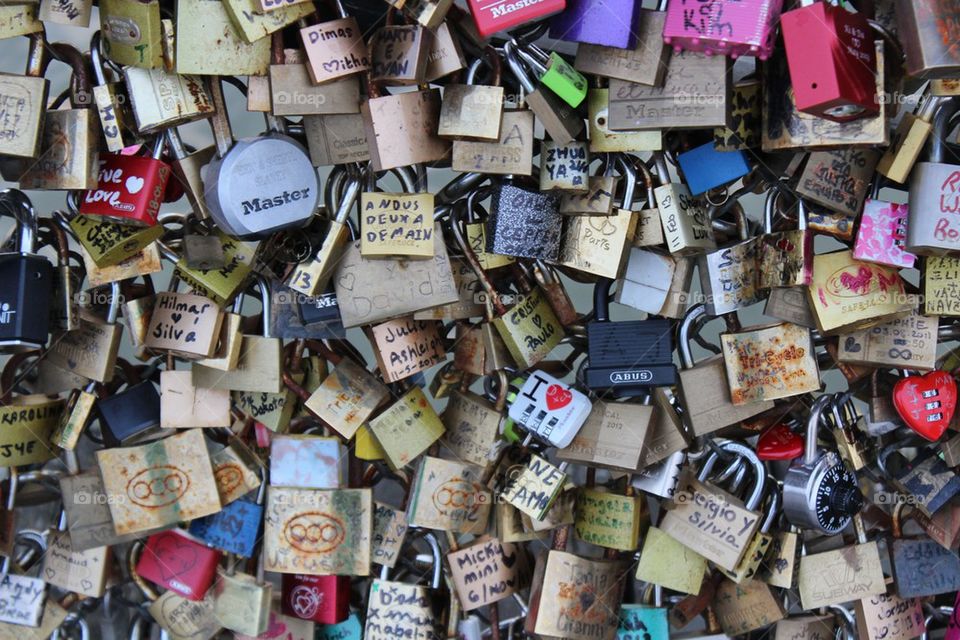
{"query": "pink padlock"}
pixel 882 235
pixel 724 27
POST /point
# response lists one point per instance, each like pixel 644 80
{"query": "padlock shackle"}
pixel 516 67
pixel 695 317
pixel 96 60
pixel 936 143
pixel 813 427
pixel 492 59
pixel 38 57
pixel 220 121
pixel 17 204
pixel 601 300
pixel 80 87
pixel 628 173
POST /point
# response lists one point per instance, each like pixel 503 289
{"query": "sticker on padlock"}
pixel 550 409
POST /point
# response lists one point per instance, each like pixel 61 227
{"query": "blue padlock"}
pixel 706 168
pixel 611 23
pixel 235 528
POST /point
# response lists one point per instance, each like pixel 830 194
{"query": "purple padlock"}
pixel 723 27
pixel 612 23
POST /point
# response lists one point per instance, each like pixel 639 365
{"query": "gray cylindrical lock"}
pixel 258 186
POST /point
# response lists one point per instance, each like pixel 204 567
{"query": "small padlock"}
pixel 491 18
pixel 920 566
pixel 129 189
pixel 727 27
pixel 322 599
pixel 174 561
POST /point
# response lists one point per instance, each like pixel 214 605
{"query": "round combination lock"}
pixel 819 490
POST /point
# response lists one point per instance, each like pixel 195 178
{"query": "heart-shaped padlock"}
pixel 779 443
pixel 926 403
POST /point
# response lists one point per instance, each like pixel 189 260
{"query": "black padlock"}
pixel 130 414
pixel 26 281
pixel 321 315
pixel 524 223
pixel 627 358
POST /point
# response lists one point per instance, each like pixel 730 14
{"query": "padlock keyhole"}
pixel 813 86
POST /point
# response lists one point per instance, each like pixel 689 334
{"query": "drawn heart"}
pixel 175 317
pixel 305 601
pixel 850 345
pixel 50 572
pixel 134 184
pixel 347 281
pixel 779 443
pixel 509 560
pixel 86 584
pixel 785 245
pixel 175 558
pixel 926 403
pixel 557 397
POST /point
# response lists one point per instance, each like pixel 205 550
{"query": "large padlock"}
pixel 627 357
pixel 933 226
pixel 727 28
pixel 26 281
pixel 925 30
pixel 730 275
pixel 491 18
pixel 285 193
pixel 705 168
pixel 819 491
pixel 832 61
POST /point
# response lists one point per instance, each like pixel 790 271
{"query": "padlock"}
pixel 67 158
pixel 770 362
pixel 129 189
pixel 819 491
pixel 931 226
pixel 220 284
pixel 645 63
pixel 909 139
pixel 322 599
pixel 473 111
pixel 832 62
pixel 926 403
pixel 705 168
pixel 203 252
pixel 785 257
pixel 397 225
pixel 237 204
pixel 401 128
pixel 697 501
pixel 260 363
pixel 131 32
pixel 726 28
pixel 924 29
pixel 159 99
pixel 491 18
pixel 745 607
pixel 555 73
pixel 920 566
pixel 686 223
pixel 208 42
pixel 29 95
pixel 668 563
pixel 826 578
pixel 398 52
pixel 26 282
pixel 523 223
pixel 927 480
pixel 26 595
pixel 625 358
pixel 235 529
pixel 610 24
pixel 174 561
pixel 729 276
pixel 889 616
pixel 241 602
pixel 91 349
pixel 183 323
pixel 760 544
pixel 129 415
pixel 704 392
pixel 838 179
pixel 335 48
pixel 61 560
pixel 511 152
pixel 549 409
pixel 111 102
pixel 418 604
pixel 561 122
pixel 881 237
pixel 292 92
pixel 644 619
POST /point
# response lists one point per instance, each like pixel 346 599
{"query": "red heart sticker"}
pixel 926 403
pixel 779 443
pixel 557 397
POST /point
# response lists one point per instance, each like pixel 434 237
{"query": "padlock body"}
pixel 491 17
pixel 234 529
pixel 611 23
pixel 727 27
pixel 923 568
pixel 832 62
pixel 178 563
pixel 129 190
pixel 525 224
pixel 129 414
pixel 551 410
pixel 933 222
pixel 322 599
pixel 321 315
pixel 630 357
pixel 262 185
pixel 706 168
pixel 883 234
pixel 26 285
pixel 927 30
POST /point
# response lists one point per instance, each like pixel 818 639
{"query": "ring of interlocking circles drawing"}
pixel 228 477
pixel 314 532
pixel 158 486
pixel 456 493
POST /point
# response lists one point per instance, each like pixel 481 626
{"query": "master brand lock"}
pixel 26 281
pixel 819 491
pixel 491 17
pixel 257 186
pixel 627 357
pixel 550 409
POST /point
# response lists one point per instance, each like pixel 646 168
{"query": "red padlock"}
pixel 322 599
pixel 175 562
pixel 779 443
pixel 130 189
pixel 832 62
pixel 492 16
pixel 926 403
